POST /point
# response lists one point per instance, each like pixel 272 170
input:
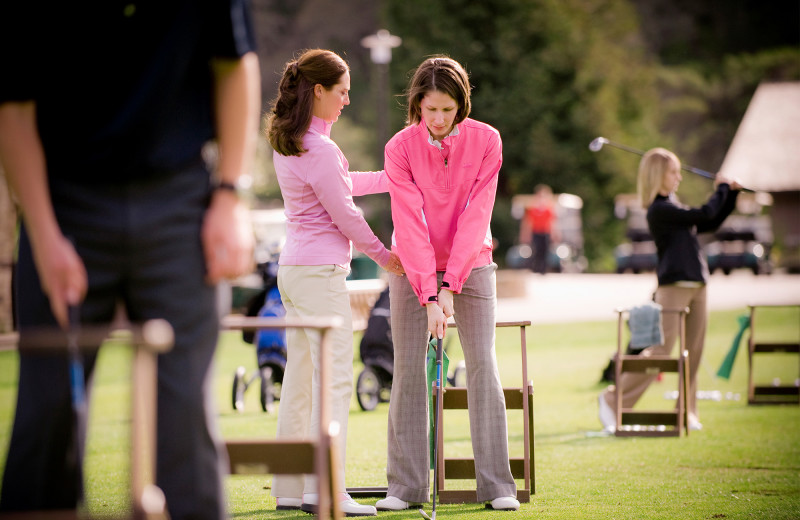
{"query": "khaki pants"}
pixel 308 291
pixel 671 297
pixel 408 465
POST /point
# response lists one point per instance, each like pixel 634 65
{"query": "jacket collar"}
pixel 321 126
pixel 423 129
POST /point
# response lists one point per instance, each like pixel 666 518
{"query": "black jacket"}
pixel 675 226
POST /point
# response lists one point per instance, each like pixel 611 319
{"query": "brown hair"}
pixel 441 74
pixel 654 164
pixel 290 115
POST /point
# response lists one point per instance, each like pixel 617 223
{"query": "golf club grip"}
pixel 76 375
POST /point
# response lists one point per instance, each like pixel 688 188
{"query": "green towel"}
pixel 727 363
pixel 431 369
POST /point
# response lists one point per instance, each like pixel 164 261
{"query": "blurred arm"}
pixel 227 233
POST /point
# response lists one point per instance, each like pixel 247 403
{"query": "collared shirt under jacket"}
pixel 323 222
pixel 441 208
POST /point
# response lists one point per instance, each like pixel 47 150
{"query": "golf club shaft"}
pixel 78 391
pixel 437 396
pixel 439 356
pixel 692 169
pixel 598 143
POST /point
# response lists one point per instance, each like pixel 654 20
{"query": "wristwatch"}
pixel 236 189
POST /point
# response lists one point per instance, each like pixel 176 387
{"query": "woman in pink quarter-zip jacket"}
pixel 323 223
pixel 443 170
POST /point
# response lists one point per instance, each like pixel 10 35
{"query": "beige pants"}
pixel 670 297
pixel 308 291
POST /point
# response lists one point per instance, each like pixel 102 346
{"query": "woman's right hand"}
pixel 437 321
pixel 733 183
pixel 394 265
pixel 62 275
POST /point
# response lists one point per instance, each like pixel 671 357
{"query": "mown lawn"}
pixel 745 463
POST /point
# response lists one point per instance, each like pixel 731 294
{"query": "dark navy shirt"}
pixel 675 226
pixel 123 89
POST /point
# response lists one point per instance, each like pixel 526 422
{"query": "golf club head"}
pixel 425 515
pixel 597 144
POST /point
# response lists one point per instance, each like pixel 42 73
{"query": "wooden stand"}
pixel 653 423
pixel 770 394
pixel 285 456
pixel 455 398
pixel 148 340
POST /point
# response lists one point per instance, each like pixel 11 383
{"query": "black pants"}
pixel 141 245
pixel 541 249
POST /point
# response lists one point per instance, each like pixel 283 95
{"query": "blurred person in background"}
pixel 102 124
pixel 682 272
pixel 538 227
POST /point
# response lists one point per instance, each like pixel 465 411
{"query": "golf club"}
pixel 437 395
pixel 597 144
pixel 78 391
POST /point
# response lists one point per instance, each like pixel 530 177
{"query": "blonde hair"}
pixel 654 164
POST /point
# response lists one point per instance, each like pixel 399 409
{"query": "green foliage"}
pixel 552 75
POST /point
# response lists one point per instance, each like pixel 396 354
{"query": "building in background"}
pixel 765 157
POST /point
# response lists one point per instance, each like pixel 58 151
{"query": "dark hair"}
pixel 290 115
pixel 442 74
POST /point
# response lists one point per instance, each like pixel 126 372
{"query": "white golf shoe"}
pixel 347 505
pixel 606 415
pixel 391 503
pixel 288 504
pixel 504 504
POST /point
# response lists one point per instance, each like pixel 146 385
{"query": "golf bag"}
pixel 270 344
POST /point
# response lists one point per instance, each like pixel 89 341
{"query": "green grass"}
pixel 744 464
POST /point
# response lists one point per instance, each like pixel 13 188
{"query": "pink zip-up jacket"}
pixel 441 209
pixel 323 222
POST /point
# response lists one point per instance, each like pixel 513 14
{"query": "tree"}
pixel 550 76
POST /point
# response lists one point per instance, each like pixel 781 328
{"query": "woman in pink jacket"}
pixel 323 223
pixel 443 170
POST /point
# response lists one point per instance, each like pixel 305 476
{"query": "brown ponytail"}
pixel 290 116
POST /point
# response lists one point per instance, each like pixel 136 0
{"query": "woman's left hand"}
pixel 437 321
pixel 446 302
